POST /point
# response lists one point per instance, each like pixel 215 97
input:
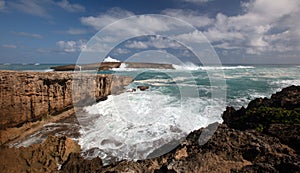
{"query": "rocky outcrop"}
pixel 228 150
pixel 143 88
pixel 45 157
pixel 30 96
pixel 111 65
pixel 278 116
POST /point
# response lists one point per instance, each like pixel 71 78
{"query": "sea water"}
pixel 132 125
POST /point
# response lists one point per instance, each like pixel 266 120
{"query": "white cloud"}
pixel 136 45
pixel 10 46
pixel 33 7
pixel 40 7
pixel 266 25
pixel 189 16
pixel 71 46
pixel 103 20
pixel 120 51
pixel 26 34
pixel 153 42
pixel 65 4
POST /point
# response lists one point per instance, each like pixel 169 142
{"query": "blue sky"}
pixel 241 32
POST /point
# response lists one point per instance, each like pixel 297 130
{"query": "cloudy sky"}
pixel 241 32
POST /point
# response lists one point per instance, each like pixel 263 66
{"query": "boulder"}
pixel 143 88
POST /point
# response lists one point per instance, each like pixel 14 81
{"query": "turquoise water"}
pixel 243 83
pixel 133 124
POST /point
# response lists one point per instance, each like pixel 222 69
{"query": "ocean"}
pixel 132 125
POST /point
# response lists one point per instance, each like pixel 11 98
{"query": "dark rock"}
pixel 143 88
pixel 78 164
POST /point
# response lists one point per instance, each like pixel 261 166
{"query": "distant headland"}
pixel 111 65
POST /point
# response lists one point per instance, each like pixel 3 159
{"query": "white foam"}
pixel 286 83
pixel 132 125
pixel 195 67
pixel 110 59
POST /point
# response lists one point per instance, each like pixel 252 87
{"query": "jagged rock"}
pixel 45 157
pixel 78 164
pixel 278 116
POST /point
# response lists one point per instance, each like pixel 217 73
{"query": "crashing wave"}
pixel 110 59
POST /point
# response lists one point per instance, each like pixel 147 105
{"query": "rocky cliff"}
pixel 30 96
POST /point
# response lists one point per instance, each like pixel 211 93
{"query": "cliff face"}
pixel 29 96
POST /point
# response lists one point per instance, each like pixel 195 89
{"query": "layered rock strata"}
pixel 31 96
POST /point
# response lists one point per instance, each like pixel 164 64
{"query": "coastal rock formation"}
pixel 45 157
pixel 278 116
pixel 237 145
pixel 31 96
pixel 232 148
pixel 111 65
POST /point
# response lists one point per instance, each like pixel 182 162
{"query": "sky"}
pixel 241 32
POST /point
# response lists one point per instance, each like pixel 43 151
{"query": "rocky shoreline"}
pixel 263 137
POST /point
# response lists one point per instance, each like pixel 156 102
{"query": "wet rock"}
pixel 143 88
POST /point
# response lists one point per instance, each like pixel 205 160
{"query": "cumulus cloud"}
pixel 33 7
pixel 10 46
pixel 41 8
pixel 265 25
pixel 156 42
pixel 26 34
pixel 71 46
pixel 189 16
pixel 103 20
pixel 65 4
pixel 120 51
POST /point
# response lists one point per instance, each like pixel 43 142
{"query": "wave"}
pixel 195 67
pixel 133 125
pixel 110 59
pixel 285 83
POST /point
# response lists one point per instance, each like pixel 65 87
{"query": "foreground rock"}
pixel 45 157
pixel 278 116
